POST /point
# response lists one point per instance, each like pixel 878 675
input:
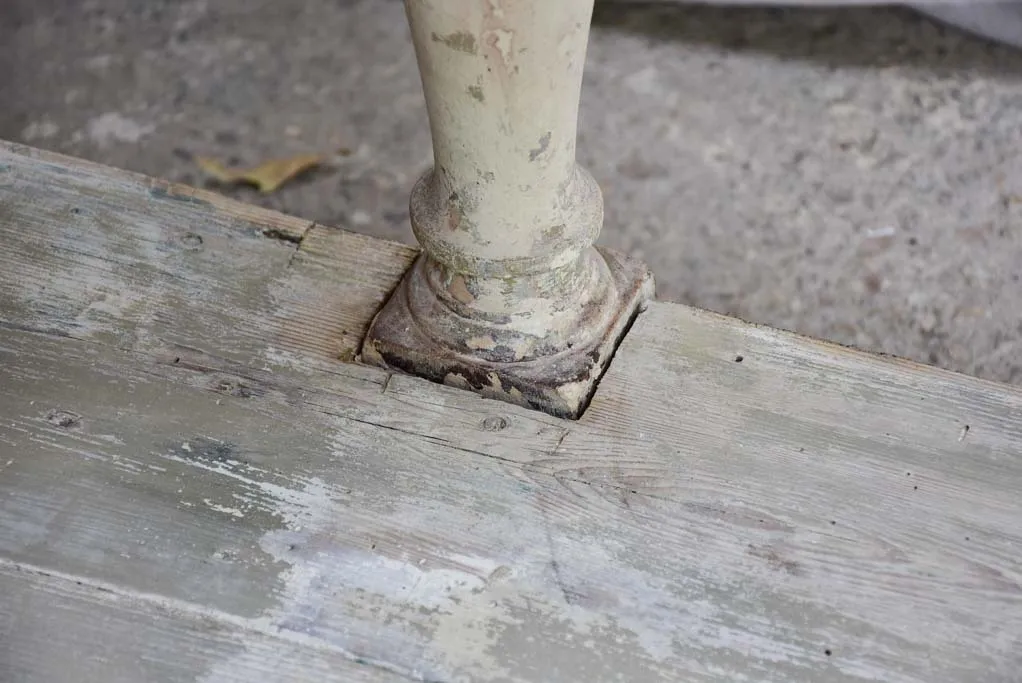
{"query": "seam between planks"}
pixel 535 466
pixel 261 626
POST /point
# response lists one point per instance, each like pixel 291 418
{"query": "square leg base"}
pixel 561 384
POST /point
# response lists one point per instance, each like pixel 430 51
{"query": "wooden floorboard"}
pixel 62 629
pixel 190 460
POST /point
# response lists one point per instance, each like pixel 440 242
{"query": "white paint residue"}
pixel 309 515
pixel 112 127
pixel 307 508
pixel 573 392
pixel 233 512
pixel 482 566
pixel 615 608
pixel 501 39
pixel 304 511
pixel 404 582
pixel 476 609
pixel 109 438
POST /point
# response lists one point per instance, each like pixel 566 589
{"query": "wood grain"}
pixel 185 465
pixel 187 266
pixel 59 629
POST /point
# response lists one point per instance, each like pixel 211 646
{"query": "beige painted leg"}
pixel 509 297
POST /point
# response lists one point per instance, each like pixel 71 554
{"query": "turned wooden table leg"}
pixel 509 297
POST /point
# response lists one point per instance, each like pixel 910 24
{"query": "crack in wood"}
pixel 557 446
pixel 291 238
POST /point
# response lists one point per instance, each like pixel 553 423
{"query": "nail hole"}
pixel 739 359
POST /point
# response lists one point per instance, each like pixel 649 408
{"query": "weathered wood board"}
pixel 98 633
pixel 196 482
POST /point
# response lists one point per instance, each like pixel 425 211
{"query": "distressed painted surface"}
pixel 506 217
pixel 157 638
pixel 502 80
pixel 125 241
pixel 176 504
pixel 417 334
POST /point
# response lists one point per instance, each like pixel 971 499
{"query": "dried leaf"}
pixel 267 176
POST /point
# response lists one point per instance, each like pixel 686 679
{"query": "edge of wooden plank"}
pixel 289 228
pixel 623 475
pixel 828 347
pixel 276 225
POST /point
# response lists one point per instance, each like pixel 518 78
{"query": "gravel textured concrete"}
pixel 851 174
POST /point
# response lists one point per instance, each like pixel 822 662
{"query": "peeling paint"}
pixel 501 39
pixel 507 211
pixel 232 511
pixel 459 290
pixel 573 392
pixel 554 231
pixel 544 143
pixel 496 10
pixel 461 41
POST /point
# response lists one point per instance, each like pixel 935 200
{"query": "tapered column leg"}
pixel 509 297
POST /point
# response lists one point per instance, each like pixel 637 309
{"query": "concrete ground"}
pixel 851 174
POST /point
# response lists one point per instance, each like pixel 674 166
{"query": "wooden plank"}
pixel 377 542
pixel 707 519
pixel 823 481
pixel 59 629
pixel 187 266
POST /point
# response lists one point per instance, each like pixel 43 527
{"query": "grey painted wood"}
pixel 186 466
pixel 61 630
